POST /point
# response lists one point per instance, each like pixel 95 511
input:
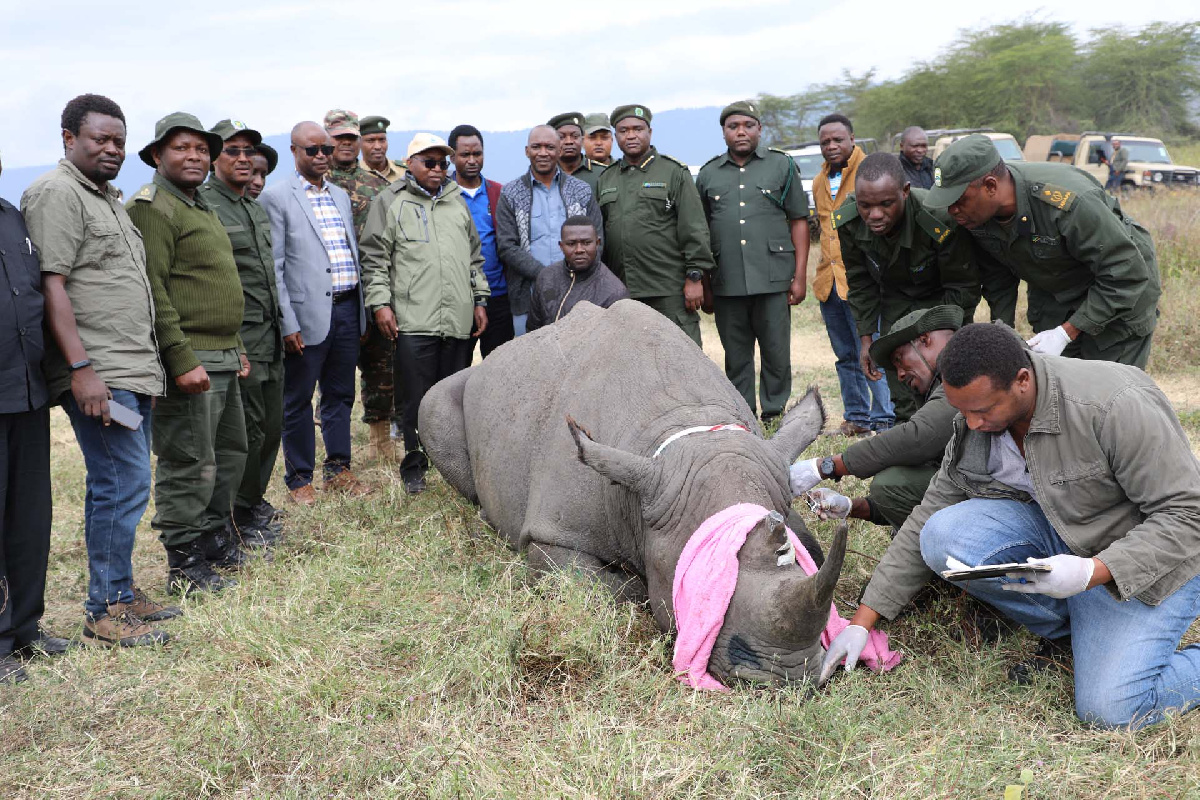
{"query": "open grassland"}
pixel 393 648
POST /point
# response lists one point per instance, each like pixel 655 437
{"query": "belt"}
pixel 342 297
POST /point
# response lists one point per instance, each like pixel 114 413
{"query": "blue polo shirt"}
pixel 477 204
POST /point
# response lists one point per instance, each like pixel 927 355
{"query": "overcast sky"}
pixel 498 64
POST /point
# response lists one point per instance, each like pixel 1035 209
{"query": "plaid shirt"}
pixel 333 235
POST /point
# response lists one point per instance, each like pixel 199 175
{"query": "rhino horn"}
pixel 636 473
pixel 808 601
pixel 799 427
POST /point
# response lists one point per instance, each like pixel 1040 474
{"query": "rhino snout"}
pixel 737 657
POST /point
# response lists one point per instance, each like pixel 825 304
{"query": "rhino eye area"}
pixel 740 653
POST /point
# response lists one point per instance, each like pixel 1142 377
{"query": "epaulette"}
pixel 1057 196
pixel 146 193
pixel 711 160
pixel 845 212
pixel 781 152
pixel 936 228
pixel 673 158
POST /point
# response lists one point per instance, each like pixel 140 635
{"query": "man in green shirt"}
pixel 597 139
pixel 1091 270
pixel 899 256
pixel 199 430
pixel 758 220
pixel 262 390
pixel 571 158
pixel 655 234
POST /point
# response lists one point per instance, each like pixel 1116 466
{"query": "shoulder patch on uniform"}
pixel 674 159
pixel 937 229
pixel 845 212
pixel 711 160
pixel 146 193
pixel 1057 196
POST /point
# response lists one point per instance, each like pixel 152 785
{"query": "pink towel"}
pixel 705 578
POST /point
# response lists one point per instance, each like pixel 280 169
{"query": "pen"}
pixel 29 245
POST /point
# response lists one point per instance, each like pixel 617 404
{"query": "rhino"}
pixel 589 493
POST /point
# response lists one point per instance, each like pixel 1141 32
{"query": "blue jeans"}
pixel 865 402
pixel 519 324
pixel 1128 671
pixel 118 489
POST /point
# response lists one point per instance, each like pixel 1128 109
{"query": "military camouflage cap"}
pixel 747 108
pixel 179 120
pixel 621 112
pixel 271 154
pixel 912 325
pixel 229 128
pixel 569 118
pixel 373 124
pixel 596 122
pixel 969 158
pixel 340 122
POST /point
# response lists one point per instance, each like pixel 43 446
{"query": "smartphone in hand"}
pixel 124 416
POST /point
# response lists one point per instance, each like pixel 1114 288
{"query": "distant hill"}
pixel 689 134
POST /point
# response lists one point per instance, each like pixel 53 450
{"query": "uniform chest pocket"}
pixel 1047 248
pixel 107 243
pixel 922 270
pixel 655 198
pixel 241 239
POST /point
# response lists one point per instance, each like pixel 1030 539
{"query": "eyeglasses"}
pixel 324 149
pixel 238 152
pixel 433 163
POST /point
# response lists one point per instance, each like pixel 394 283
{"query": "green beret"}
pixel 746 108
pixel 569 118
pixel 373 124
pixel 969 158
pixel 176 121
pixel 621 112
pixel 271 154
pixel 912 325
pixel 229 128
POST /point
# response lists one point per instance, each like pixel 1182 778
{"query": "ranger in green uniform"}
pixel 899 256
pixel 902 460
pixel 571 158
pixel 655 234
pixel 1091 270
pixel 199 433
pixel 758 221
pixel 262 390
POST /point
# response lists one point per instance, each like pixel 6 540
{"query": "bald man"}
pixel 320 299
pixel 918 167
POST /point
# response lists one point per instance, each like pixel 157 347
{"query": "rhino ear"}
pixel 800 426
pixel 636 473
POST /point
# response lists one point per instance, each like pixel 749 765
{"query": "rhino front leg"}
pixel 622 584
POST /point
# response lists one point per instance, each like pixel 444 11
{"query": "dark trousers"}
pixel 329 364
pixel 500 325
pixel 896 491
pixel 25 509
pixel 262 405
pixel 767 320
pixel 376 358
pixel 422 361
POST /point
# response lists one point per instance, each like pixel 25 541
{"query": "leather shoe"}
pixel 304 495
pixel 347 484
pixel 45 646
pixel 11 670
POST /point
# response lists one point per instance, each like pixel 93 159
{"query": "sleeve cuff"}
pixel 1085 324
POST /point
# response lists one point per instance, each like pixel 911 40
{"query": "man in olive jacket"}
pixel 1081 467
pixel 423 283
pixel 903 459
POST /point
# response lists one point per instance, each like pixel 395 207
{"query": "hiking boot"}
pixel 189 571
pixel 1050 654
pixel 120 626
pixel 11 670
pixel 222 548
pixel 44 646
pixel 380 446
pixel 304 495
pixel 151 611
pixel 251 533
pixel 347 484
pixel 266 514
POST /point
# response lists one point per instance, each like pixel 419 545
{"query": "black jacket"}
pixel 557 290
pixel 22 386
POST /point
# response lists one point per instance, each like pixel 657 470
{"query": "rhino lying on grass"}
pixel 615 495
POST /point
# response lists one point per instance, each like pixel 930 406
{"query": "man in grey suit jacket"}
pixel 320 297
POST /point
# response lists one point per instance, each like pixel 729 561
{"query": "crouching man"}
pixel 902 460
pixel 581 275
pixel 1080 465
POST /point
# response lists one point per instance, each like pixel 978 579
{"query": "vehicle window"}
pixel 1008 150
pixel 1152 152
pixel 1095 151
pixel 809 165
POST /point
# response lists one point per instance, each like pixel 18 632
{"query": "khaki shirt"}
pixel 85 234
pixel 393 173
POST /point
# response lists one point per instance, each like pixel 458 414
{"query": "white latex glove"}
pixel 1051 342
pixel 849 645
pixel 804 475
pixel 828 504
pixel 1068 576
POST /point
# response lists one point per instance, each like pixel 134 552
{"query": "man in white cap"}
pixel 423 283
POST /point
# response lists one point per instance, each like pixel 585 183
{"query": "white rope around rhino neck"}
pixel 698 429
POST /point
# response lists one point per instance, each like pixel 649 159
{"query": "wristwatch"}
pixel 78 365
pixel 827 469
pixel 694 274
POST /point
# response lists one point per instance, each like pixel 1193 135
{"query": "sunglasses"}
pixel 238 152
pixel 324 149
pixel 433 163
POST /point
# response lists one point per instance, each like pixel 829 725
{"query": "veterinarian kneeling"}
pixel 1080 465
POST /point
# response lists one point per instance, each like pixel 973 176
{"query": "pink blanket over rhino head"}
pixel 705 578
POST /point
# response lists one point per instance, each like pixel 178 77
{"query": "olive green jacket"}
pixel 420 255
pixel 1084 260
pixel 925 263
pixel 1112 470
pixel 917 442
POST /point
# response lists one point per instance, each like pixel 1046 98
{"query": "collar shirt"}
pixel 334 235
pixel 393 173
pixel 546 218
